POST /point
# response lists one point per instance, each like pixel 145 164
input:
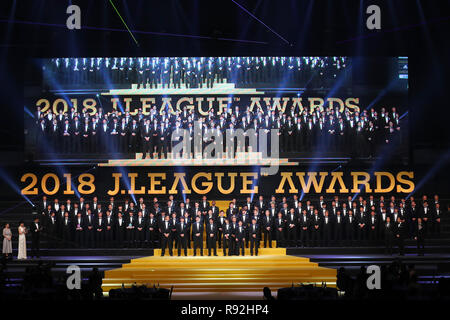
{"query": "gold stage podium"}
pixel 211 277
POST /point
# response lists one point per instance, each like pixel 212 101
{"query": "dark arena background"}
pixel 238 150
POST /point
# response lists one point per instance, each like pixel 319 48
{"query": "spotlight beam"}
pixel 123 21
pixel 265 25
pixel 134 31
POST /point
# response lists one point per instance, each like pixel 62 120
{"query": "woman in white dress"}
pixel 22 242
pixel 7 247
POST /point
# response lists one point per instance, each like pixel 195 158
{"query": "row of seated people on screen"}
pixel 124 133
pixel 190 71
pixel 291 223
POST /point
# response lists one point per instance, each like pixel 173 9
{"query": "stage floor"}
pixel 229 277
pixel 247 159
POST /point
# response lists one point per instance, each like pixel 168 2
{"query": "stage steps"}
pixel 261 251
pixel 225 275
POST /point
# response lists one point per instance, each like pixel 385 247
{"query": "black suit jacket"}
pixel 120 228
pixel 196 229
pixel 35 230
pixel 211 229
pixel 240 233
pixel 165 229
pixel 184 231
pixel 254 230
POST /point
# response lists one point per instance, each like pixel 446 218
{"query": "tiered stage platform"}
pixel 242 159
pixel 227 88
pixel 211 277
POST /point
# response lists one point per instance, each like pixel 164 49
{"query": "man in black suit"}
pixel 232 210
pixel 123 136
pixel 134 135
pixel 361 228
pixel 437 215
pixel 372 225
pixel 79 226
pixel 400 235
pixel 86 136
pixel 267 224
pixel 240 238
pixel 51 230
pixel 261 204
pixel 338 227
pixel 76 135
pixel 280 226
pixel 120 230
pixel 254 233
pixel 204 205
pixel 304 225
pixel 109 230
pixel 350 227
pixel 389 231
pixel 66 230
pixel 292 222
pixel 54 137
pixel 183 236
pixel 43 206
pixel 154 138
pixel 152 230
pixel 99 230
pixel 66 136
pixel 220 223
pixel 165 230
pixel 94 129
pixel 211 235
pixel 35 229
pixel 226 232
pixel 114 135
pixel 197 235
pixel 327 229
pixel 131 229
pixel 234 225
pixel 89 228
pixel 141 227
pixel 316 228
pixel 245 218
pixel 420 237
pixel 163 141
pixel 173 239
pixel 147 142
pixel 426 214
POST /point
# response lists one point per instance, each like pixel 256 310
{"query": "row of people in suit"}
pixel 259 202
pixel 116 132
pixel 289 229
pixel 192 71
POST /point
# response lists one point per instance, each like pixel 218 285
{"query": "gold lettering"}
pixel 286 176
pixel 337 176
pixel 312 179
pixel 409 183
pixel 357 182
pixel 246 182
pixel 116 177
pixel 133 190
pixel 232 176
pixel 179 177
pixel 379 188
pixel 154 182
pixel 207 184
